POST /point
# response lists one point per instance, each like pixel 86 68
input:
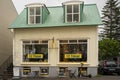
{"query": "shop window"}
pixel 44 70
pixel 73 51
pixel 26 70
pixel 63 71
pixel 34 15
pixel 35 51
pixel 72 13
pixel 82 71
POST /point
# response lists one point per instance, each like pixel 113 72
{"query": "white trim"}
pixel 58 60
pixel 72 63
pixel 34 15
pixel 48 52
pixel 88 50
pixel 73 2
pixel 21 56
pixel 22 61
pixel 72 12
pixel 35 63
pixel 14 47
pixel 34 5
pixel 72 43
pixel 81 38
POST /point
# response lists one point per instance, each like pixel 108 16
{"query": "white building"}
pixel 50 39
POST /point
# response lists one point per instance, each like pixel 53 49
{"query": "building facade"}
pixel 48 40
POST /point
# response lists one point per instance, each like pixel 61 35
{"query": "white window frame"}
pixel 34 15
pixel 34 43
pixel 68 42
pixel 72 13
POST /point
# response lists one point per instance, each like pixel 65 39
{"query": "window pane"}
pixel 76 17
pixel 44 70
pixel 73 41
pixel 38 11
pixel 31 11
pixel 35 41
pixel 62 71
pixel 26 70
pixel 43 41
pixel 37 19
pixel 69 8
pixel 35 53
pixel 63 41
pixel 75 8
pixel 69 18
pixel 82 40
pixel 73 52
pixel 32 19
pixel 26 41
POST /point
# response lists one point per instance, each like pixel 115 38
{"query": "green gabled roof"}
pixel 56 18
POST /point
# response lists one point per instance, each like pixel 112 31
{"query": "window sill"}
pixel 72 63
pixel 35 63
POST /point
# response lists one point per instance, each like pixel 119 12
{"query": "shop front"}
pixel 37 57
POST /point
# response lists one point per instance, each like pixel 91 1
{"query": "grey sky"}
pixel 20 4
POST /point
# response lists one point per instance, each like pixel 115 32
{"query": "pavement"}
pixel 109 77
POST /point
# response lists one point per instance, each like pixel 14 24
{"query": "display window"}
pixel 35 51
pixel 73 50
pixel 44 70
pixel 26 70
pixel 82 71
pixel 63 71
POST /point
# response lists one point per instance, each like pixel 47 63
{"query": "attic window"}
pixel 72 13
pixel 34 15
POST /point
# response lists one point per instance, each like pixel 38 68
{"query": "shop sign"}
pixel 26 70
pixel 73 56
pixel 35 56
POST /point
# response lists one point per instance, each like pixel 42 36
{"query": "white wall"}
pixel 83 32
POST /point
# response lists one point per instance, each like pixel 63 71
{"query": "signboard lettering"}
pixel 35 55
pixel 73 56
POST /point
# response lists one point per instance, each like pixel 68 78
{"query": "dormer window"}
pixel 73 11
pixel 34 15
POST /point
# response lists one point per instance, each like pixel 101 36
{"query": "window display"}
pixel 63 71
pixel 35 51
pixel 73 50
pixel 26 70
pixel 44 70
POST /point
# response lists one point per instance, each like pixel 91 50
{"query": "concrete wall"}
pixel 83 32
pixel 7 15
